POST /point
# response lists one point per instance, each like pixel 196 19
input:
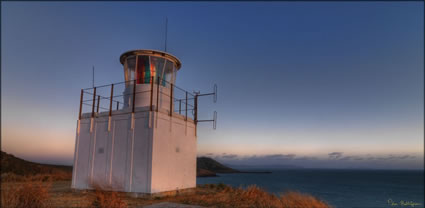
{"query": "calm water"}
pixel 340 188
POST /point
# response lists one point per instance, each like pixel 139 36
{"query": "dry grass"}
pixel 224 196
pixel 295 199
pixel 106 199
pixel 58 176
pixel 27 194
pixel 34 194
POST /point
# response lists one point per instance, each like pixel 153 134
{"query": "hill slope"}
pixel 206 163
pixel 12 164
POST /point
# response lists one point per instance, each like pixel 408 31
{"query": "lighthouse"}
pixel 138 135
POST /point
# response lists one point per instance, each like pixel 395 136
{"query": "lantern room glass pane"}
pixel 152 66
pixel 168 72
pixel 143 70
pixel 129 68
pixel 157 65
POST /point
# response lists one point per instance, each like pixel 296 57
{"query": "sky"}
pixel 311 84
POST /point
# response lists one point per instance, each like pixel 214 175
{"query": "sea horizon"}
pixel 346 188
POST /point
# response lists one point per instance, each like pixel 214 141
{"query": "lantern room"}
pixel 146 65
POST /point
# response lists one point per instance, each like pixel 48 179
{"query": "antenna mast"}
pixel 93 77
pixel 166 30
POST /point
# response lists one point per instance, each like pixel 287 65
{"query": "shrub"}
pixel 257 197
pixel 9 177
pixel 28 194
pixel 225 196
pixel 295 200
pixel 106 199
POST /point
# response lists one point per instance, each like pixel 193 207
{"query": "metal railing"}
pixel 120 98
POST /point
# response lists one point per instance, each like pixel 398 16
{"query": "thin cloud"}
pixel 306 158
pixel 346 158
pixel 273 157
pixel 230 156
pixel 351 158
pixel 374 158
pixel 280 156
pixel 335 155
pixel 394 157
pixel 332 159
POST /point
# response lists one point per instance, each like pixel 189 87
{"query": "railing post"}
pixel 110 102
pixel 110 107
pixel 180 106
pixel 98 102
pixel 152 81
pixel 94 102
pixel 134 95
pixel 196 109
pixel 118 105
pixel 157 94
pixel 171 99
pixel 92 110
pixel 81 104
pixel 186 108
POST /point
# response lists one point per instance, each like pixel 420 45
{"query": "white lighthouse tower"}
pixel 138 135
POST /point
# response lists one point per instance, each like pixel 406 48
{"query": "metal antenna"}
pixel 198 94
pixel 93 77
pixel 166 30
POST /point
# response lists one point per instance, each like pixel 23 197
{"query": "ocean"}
pixel 340 188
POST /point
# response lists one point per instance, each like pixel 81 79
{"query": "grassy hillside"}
pixel 16 169
pixel 12 164
pixel 206 163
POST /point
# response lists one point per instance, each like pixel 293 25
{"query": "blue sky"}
pixel 298 81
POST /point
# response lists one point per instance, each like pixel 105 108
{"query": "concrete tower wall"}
pixel 173 157
pixel 157 155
